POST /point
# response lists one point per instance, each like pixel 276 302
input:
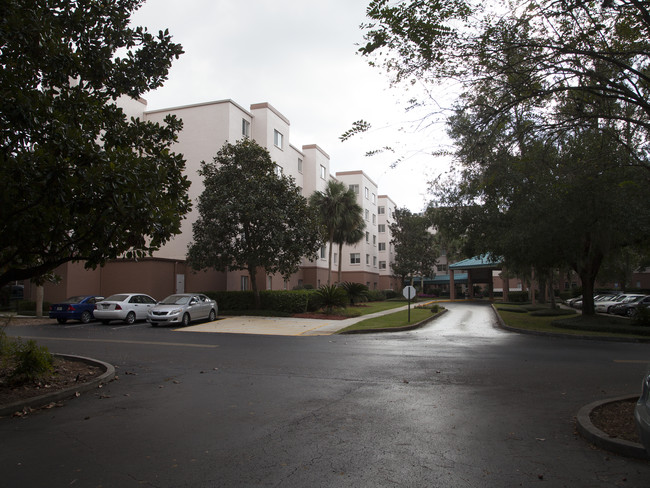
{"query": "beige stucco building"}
pixel 206 127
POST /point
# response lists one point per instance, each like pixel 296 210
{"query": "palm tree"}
pixel 336 207
pixel 351 232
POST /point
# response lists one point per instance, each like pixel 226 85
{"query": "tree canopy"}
pixel 251 216
pixel 416 252
pixel 78 180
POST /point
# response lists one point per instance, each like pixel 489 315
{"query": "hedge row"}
pixel 294 301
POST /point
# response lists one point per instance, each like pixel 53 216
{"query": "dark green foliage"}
pixel 79 181
pixel 357 292
pixel 612 325
pixel 553 312
pixel 376 295
pixel 294 301
pixel 24 361
pixel 330 297
pixel 390 294
pixel 642 317
pixel 251 217
pixel 518 296
pixel 513 309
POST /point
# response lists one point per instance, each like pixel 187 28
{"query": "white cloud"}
pixel 300 56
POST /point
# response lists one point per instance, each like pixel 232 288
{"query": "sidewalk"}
pixel 287 326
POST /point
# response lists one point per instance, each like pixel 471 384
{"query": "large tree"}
pixel 415 246
pixel 340 216
pixel 551 126
pixel 79 181
pixel 251 216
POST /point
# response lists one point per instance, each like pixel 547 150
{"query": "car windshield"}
pixel 117 298
pixel 176 300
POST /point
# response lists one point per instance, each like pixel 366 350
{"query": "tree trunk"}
pixel 39 300
pixel 340 261
pixel 252 271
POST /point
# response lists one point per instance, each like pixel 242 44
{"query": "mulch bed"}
pixel 616 419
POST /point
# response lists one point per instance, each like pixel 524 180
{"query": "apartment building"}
pixel 206 127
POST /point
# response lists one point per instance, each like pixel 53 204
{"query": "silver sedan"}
pixel 183 308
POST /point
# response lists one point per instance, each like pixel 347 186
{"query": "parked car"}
pixel 642 414
pixel 75 308
pixel 183 308
pixel 606 305
pixel 127 307
pixel 631 308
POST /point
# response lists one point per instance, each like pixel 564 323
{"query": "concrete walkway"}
pixel 286 326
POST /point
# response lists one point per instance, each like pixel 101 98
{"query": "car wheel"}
pixel 186 320
pixel 106 322
pixel 630 312
pixel 130 318
pixel 213 316
pixel 61 321
pixel 86 317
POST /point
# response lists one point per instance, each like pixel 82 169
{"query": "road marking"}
pixel 632 361
pixel 113 341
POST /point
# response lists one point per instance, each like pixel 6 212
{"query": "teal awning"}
pixel 482 261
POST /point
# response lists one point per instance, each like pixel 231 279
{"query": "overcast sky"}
pixel 299 56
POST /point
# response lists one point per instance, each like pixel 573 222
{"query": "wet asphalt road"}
pixel 459 403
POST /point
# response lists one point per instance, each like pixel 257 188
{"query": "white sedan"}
pixel 127 307
pixel 606 305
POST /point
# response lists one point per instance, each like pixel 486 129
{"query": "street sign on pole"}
pixel 409 292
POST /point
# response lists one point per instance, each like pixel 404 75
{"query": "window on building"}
pixel 244 283
pixel 323 172
pixel 374 219
pixel 269 283
pixel 374 240
pixel 374 198
pixel 381 210
pixel 442 267
pixel 382 246
pixel 299 165
pixel 277 139
pixel 354 188
pixel 382 264
pixel 367 258
pixel 322 252
pixel 374 261
pixel 367 236
pixel 336 259
pixel 245 128
pixel 381 228
pixel 278 170
pixel 367 215
pixel 355 258
pixel 367 192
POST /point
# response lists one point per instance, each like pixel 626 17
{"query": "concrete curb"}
pixel 601 439
pixel 39 401
pixel 397 329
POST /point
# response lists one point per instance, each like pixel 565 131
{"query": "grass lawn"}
pixel 597 326
pixel 397 319
pixel 371 307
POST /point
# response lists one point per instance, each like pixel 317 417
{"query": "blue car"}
pixel 75 308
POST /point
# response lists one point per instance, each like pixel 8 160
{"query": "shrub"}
pixel 388 294
pixel 376 296
pixel 642 317
pixel 330 297
pixel 553 312
pixel 518 296
pixel 357 292
pixel 28 361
